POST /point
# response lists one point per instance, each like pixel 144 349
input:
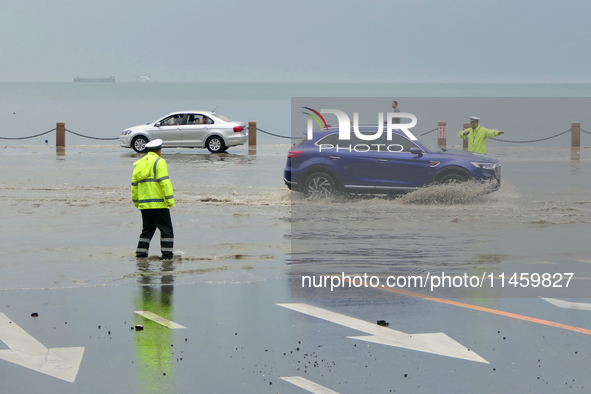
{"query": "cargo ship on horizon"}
pixel 109 79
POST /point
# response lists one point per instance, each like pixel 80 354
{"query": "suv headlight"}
pixel 487 166
pixel 496 167
pixel 126 132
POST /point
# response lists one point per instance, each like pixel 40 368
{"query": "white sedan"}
pixel 187 129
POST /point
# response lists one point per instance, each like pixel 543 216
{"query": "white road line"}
pixel 308 385
pixel 434 343
pixel 568 304
pixel 160 320
pixel 62 363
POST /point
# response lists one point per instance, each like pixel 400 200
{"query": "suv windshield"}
pixel 430 147
pixel 421 140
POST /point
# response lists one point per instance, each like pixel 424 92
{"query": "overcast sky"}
pixel 297 41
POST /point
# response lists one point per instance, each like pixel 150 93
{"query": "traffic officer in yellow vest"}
pixel 477 136
pixel 151 192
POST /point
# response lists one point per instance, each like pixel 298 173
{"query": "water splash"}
pixel 470 192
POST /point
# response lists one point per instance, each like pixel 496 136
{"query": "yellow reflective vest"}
pixel 150 185
pixel 477 138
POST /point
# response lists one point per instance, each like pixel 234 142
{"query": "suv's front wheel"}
pixel 320 184
pixel 452 178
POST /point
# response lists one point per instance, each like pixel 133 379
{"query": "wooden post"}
pixel 60 134
pixel 465 145
pixel 60 138
pixel 252 137
pixel 441 134
pixel 575 135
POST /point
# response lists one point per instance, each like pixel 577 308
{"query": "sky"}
pixel 412 41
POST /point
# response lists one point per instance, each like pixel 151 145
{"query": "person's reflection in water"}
pixel 154 353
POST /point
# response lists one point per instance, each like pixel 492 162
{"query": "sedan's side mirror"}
pixel 157 124
pixel 416 151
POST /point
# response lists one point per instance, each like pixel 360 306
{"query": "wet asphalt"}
pixel 238 340
pixel 68 258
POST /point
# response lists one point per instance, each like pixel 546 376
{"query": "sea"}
pixel 236 221
pixel 105 109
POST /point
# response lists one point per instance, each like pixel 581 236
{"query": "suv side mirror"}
pixel 416 151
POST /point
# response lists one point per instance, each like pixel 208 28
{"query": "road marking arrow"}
pixel 308 385
pixel 160 320
pixel 435 343
pixel 62 363
pixel 568 304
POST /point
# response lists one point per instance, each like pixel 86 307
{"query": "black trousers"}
pixel 153 219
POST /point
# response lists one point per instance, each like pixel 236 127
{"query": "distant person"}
pixel 477 136
pixel 197 121
pixel 151 192
pixel 395 109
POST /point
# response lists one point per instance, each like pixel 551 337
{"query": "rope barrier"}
pixel 282 136
pixel 541 139
pixel 277 135
pixel 93 138
pixel 429 132
pixel 24 138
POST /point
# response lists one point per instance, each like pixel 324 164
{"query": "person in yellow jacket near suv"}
pixel 477 136
pixel 151 192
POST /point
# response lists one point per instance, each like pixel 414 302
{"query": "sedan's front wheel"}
pixel 139 144
pixel 320 184
pixel 215 145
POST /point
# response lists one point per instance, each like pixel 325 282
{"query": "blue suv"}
pixel 326 165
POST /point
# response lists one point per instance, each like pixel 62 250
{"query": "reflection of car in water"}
pixel 326 165
pixel 189 129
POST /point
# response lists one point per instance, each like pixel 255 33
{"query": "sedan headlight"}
pixel 126 132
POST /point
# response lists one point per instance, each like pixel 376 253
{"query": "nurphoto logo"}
pixel 345 128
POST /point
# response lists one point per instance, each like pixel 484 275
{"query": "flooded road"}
pixel 72 216
pixel 541 212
